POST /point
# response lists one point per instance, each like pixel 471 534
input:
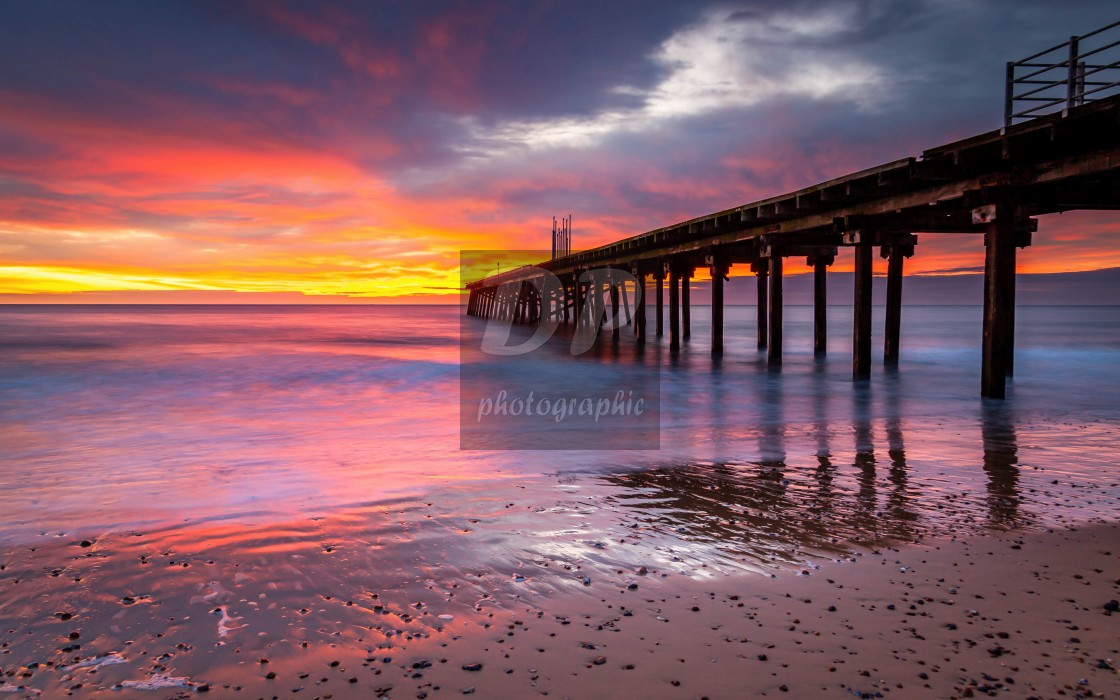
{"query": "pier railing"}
pixel 1083 69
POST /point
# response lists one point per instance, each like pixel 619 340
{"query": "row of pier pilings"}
pixel 589 298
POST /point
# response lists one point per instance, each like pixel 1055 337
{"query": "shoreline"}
pixel 1016 611
pixel 969 614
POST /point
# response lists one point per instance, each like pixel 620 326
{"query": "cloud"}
pixel 726 60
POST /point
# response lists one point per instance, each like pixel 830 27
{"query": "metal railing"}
pixel 1087 71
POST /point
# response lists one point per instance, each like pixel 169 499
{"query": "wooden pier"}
pixel 994 185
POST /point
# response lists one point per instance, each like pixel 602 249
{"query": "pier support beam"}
pixel 686 305
pixel 861 330
pixel 820 261
pixel 579 301
pixel 719 272
pixel 1006 224
pixel 615 321
pixel 625 302
pixel 895 255
pixel 660 318
pixel 640 310
pixel 674 310
pixel 774 350
pixel 820 308
pixel 761 268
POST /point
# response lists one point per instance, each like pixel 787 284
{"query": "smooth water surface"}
pixel 117 417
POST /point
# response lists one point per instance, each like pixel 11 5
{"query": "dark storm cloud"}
pixel 331 75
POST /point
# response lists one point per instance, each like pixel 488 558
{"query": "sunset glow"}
pixel 353 152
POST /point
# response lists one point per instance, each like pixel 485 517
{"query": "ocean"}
pixel 287 461
pixel 124 416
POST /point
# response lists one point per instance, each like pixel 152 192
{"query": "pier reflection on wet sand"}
pixel 773 512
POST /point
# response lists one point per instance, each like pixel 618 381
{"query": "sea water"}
pixel 118 418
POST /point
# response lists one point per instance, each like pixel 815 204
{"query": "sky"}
pixel 342 151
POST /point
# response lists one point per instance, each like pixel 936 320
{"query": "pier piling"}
pixel 999 298
pixel 718 271
pixel 774 351
pixel 861 327
pixel 895 255
pixel 819 261
pixel 761 285
pixel 686 306
pixel 660 316
pixel 674 310
pixel 616 324
pixel 640 310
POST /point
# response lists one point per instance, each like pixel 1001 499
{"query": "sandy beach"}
pixel 1021 614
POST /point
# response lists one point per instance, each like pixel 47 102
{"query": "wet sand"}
pixel 1013 613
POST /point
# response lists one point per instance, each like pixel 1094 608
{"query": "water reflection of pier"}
pixel 769 510
pixel 1001 464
